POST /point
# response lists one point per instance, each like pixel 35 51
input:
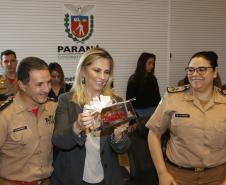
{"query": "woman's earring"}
pixel 83 80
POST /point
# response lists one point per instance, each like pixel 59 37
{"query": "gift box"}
pixel 117 114
pixel 108 115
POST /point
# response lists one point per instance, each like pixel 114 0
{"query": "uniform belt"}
pixel 37 182
pixel 195 169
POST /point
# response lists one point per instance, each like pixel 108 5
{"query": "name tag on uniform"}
pixel 182 115
pixel 20 128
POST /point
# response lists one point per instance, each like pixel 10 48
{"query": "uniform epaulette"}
pixel 177 89
pixel 2 82
pixel 51 99
pixel 5 104
pixel 222 92
pixel 1 77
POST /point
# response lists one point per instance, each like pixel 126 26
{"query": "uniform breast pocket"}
pixel 21 134
pixel 184 126
pixel 181 120
pixel 47 133
pixel 217 134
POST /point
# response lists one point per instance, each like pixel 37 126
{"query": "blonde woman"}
pixel 83 158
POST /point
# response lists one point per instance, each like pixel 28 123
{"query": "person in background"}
pixel 57 78
pixel 143 86
pixel 26 127
pixel 86 158
pixel 195 116
pixel 8 81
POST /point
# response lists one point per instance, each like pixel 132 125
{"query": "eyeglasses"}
pixel 201 70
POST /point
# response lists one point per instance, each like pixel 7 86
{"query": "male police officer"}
pixel 8 81
pixel 26 126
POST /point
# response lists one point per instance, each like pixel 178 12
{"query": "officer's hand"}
pixel 166 179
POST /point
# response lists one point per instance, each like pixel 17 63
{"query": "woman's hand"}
pixel 85 120
pixel 118 131
pixel 166 179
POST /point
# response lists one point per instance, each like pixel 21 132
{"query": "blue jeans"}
pixel 145 112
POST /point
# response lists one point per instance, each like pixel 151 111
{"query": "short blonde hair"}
pixel 86 59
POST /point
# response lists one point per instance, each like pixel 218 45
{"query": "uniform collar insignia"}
pixel 222 92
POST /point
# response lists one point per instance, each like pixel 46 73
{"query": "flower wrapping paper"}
pixel 97 104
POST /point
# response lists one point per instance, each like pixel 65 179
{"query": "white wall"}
pixel 125 28
pixel 196 25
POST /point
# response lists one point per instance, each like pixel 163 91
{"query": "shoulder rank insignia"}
pixel 2 82
pixel 51 99
pixel 6 104
pixel 222 92
pixel 177 89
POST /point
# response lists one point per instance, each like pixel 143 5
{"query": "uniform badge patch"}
pixel 49 120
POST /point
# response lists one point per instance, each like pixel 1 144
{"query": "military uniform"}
pixel 7 89
pixel 25 141
pixel 197 139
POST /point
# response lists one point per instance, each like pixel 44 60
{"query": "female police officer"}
pixel 196 117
